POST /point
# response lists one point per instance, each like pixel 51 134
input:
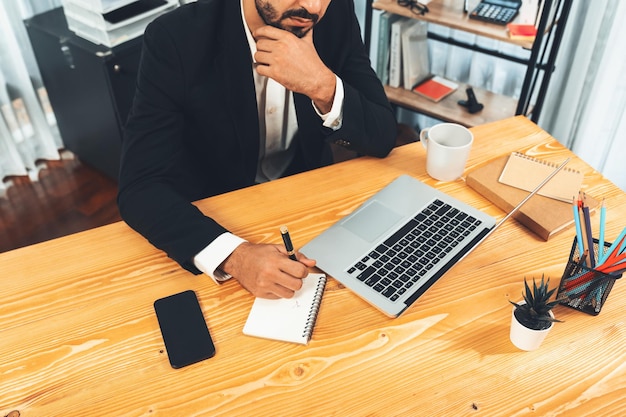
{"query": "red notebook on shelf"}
pixel 522 32
pixel 435 88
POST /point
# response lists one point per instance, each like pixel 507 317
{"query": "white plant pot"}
pixel 525 338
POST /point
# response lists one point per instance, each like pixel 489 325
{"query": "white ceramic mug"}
pixel 447 149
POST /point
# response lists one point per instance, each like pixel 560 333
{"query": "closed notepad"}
pixel 526 172
pixel 288 319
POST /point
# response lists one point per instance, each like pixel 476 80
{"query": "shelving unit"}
pixel 540 63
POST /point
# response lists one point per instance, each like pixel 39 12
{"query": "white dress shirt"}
pixel 277 128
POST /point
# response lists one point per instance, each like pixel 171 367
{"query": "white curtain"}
pixel 586 101
pixel 28 132
pixel 585 107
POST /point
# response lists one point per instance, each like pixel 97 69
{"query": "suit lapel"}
pixel 235 68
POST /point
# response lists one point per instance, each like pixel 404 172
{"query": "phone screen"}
pixel 185 332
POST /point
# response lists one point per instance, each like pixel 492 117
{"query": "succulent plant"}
pixel 535 312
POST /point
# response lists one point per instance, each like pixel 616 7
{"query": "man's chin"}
pixel 299 31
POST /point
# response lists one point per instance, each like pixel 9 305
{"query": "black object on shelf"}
pixel 91 88
pixel 499 12
pixel 472 104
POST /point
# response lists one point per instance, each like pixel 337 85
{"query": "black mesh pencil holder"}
pixel 582 287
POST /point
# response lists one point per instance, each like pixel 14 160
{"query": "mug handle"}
pixel 424 136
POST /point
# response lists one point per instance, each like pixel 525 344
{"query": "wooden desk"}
pixel 78 335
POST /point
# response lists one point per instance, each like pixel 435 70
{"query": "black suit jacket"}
pixel 193 130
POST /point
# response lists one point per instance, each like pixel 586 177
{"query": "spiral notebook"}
pixel 288 319
pixel 526 172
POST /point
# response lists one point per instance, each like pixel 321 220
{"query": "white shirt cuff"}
pixel 334 118
pixel 210 258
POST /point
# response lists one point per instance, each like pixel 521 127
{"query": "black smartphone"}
pixel 185 332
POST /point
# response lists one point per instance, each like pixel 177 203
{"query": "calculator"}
pixel 500 12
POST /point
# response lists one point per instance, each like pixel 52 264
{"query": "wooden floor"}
pixel 69 197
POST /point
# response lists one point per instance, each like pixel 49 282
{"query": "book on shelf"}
pixel 522 32
pixel 288 319
pixel 395 51
pixel 542 215
pixel 384 38
pixel 435 88
pixel 415 62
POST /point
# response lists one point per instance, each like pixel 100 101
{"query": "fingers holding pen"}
pixel 281 278
pixel 266 271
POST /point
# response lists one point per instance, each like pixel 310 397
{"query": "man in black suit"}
pixel 236 92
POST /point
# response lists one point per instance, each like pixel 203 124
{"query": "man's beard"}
pixel 270 17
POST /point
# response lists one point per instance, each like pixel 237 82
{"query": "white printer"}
pixel 112 22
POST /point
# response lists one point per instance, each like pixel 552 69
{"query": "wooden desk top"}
pixel 78 334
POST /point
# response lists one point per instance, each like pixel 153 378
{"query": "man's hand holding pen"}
pixel 266 270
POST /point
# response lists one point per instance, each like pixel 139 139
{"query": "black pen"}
pixel 287 240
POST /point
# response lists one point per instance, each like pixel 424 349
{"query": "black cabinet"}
pixel 90 87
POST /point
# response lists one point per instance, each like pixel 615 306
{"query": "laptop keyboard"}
pixel 408 255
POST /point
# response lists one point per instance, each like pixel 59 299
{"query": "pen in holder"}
pixel 583 287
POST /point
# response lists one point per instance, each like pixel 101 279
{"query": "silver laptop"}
pixel 398 243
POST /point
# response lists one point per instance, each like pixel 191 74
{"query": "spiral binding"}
pixel 540 161
pixel 315 307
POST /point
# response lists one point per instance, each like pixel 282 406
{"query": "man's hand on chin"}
pixel 294 63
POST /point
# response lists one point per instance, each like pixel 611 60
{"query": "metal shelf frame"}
pixel 540 64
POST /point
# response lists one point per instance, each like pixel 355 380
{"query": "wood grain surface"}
pixel 78 334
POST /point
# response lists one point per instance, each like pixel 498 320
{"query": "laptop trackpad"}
pixel 371 220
